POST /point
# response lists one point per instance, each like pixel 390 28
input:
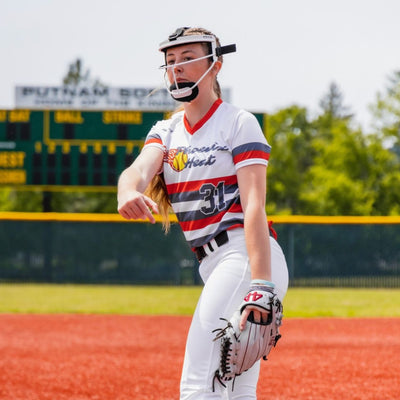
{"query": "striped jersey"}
pixel 200 165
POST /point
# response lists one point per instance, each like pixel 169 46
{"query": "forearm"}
pixel 131 179
pixel 257 242
pixel 138 175
pixel 132 203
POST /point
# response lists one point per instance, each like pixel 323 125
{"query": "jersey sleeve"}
pixel 154 137
pixel 249 145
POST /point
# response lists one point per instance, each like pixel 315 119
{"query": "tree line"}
pixel 328 166
pixel 320 165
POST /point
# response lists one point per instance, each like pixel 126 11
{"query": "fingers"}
pixel 243 318
pixel 138 207
pixel 149 204
pixel 259 316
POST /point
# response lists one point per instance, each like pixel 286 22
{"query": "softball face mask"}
pixel 188 91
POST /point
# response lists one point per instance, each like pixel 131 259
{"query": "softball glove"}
pixel 240 350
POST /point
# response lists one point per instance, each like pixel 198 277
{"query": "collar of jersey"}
pixel 200 123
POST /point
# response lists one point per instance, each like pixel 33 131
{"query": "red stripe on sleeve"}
pixel 251 154
pixel 154 140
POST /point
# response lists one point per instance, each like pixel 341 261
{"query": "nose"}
pixel 178 68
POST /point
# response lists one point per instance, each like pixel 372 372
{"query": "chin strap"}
pixel 184 92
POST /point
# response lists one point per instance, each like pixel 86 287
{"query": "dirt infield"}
pixel 98 357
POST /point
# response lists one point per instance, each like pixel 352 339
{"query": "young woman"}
pixel 209 162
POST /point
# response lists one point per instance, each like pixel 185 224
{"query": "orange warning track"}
pixel 104 357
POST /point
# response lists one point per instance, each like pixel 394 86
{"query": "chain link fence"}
pixel 103 249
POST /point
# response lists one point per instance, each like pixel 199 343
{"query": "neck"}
pixel 196 109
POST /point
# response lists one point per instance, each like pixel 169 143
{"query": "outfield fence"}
pixel 105 249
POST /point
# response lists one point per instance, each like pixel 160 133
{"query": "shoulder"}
pixel 239 122
pixel 163 127
pixel 158 134
pixel 168 124
pixel 237 113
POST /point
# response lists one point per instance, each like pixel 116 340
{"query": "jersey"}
pixel 200 165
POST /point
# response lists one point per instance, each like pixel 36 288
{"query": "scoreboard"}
pixel 71 148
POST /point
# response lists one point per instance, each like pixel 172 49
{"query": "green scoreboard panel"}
pixel 70 148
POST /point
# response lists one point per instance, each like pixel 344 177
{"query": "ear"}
pixel 217 67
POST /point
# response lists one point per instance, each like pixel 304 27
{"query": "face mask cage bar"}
pixel 166 67
pixel 183 92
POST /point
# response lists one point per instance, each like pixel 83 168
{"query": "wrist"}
pixel 262 282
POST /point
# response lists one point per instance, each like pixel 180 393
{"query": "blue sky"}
pixel 288 51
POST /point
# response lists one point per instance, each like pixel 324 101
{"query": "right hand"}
pixel 258 301
pixel 260 315
pixel 135 205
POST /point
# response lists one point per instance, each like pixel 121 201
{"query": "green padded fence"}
pixel 103 248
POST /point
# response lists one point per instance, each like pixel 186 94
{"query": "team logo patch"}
pixel 177 159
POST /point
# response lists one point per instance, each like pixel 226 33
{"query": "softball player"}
pixel 209 162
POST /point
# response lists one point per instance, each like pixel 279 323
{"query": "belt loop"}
pixel 210 247
pixel 214 243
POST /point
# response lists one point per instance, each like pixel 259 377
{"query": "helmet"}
pixel 187 91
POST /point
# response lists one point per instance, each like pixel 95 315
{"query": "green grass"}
pixel 163 300
pixel 337 302
pixel 97 299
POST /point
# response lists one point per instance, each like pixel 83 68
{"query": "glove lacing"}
pixel 226 348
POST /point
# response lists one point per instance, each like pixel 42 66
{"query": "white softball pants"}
pixel 226 277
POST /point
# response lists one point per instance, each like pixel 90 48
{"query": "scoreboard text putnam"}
pixel 71 148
